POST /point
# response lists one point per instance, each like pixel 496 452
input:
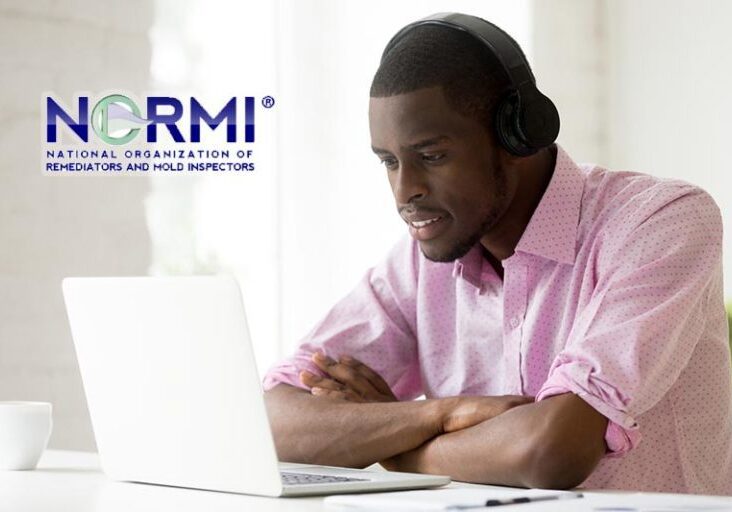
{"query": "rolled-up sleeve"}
pixel 647 311
pixel 373 323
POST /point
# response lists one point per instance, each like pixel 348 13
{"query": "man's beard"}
pixel 462 247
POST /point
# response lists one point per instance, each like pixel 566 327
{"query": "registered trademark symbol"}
pixel 268 102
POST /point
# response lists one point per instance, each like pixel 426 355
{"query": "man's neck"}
pixel 534 173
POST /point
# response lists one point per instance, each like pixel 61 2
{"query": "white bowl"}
pixel 25 428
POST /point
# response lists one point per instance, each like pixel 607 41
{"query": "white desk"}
pixel 73 482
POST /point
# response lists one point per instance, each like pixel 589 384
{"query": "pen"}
pixel 515 501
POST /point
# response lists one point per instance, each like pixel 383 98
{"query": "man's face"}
pixel 444 170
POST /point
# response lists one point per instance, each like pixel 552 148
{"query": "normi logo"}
pixel 116 119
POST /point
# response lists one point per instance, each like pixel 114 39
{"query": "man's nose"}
pixel 409 184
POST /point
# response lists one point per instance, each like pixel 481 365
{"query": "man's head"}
pixel 431 117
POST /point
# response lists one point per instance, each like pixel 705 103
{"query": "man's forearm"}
pixel 316 430
pixel 535 445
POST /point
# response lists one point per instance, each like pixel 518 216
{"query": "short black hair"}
pixel 471 76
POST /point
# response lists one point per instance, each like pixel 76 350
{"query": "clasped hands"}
pixel 348 379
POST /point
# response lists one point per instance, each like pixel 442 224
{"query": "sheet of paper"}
pixel 437 499
pixel 641 502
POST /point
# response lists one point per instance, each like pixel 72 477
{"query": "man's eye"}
pixel 389 163
pixel 433 157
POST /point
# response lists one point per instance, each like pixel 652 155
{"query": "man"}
pixel 553 315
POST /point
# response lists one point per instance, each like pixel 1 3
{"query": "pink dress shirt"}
pixel 614 293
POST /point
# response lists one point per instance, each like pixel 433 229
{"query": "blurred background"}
pixel 641 85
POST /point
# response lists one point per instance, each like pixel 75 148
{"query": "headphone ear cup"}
pixel 537 119
pixel 507 124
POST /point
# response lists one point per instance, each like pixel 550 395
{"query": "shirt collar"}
pixel 552 230
pixel 470 266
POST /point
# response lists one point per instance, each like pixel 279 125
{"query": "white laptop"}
pixel 174 393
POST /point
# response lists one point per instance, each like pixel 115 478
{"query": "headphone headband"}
pixel 505 49
pixel 526 120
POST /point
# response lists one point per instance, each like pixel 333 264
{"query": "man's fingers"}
pixel 345 374
pixel 311 380
pixel 374 378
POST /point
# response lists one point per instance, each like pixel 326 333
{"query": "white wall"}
pixel 569 47
pixel 52 227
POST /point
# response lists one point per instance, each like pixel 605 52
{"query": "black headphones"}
pixel 526 120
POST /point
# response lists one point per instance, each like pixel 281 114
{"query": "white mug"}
pixel 24 431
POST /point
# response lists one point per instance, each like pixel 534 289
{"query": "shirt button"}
pixel 514 322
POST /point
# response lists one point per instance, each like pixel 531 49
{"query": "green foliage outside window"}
pixel 729 321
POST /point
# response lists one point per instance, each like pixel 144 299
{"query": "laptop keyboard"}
pixel 305 478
